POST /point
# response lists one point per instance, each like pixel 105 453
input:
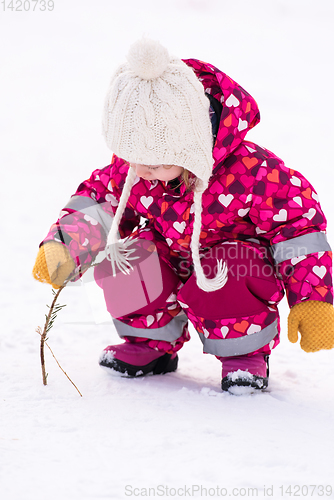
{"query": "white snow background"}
pixel 159 434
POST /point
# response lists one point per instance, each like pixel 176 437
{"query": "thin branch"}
pixel 38 330
pixel 49 320
pixel 46 329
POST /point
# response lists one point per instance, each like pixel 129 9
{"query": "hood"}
pixel 239 114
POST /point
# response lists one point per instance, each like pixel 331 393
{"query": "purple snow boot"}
pixel 250 372
pixel 137 359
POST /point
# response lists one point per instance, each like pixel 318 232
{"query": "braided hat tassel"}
pixel 206 284
pixel 118 251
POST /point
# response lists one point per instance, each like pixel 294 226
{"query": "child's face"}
pixel 157 172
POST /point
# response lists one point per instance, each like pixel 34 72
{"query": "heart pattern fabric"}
pixel 252 196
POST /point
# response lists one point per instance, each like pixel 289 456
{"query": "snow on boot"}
pixel 136 360
pixel 242 374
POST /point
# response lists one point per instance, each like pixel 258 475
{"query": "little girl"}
pixel 227 226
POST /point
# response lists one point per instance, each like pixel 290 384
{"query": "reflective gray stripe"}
pixel 240 345
pixel 301 245
pixel 170 332
pixel 87 206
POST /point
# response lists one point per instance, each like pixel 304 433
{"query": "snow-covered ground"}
pixel 176 435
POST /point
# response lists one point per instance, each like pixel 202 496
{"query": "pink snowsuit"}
pixel 262 218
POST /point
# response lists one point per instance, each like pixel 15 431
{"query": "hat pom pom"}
pixel 148 59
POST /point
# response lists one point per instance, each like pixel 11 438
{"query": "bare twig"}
pixel 47 326
pixel 50 317
pixel 39 331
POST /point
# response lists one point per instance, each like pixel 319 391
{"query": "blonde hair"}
pixel 187 177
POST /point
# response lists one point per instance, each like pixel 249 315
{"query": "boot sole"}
pixel 256 382
pixel 253 382
pixel 159 366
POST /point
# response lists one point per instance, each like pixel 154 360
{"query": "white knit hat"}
pixel 156 112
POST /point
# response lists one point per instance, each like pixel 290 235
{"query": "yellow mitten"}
pixel 315 322
pixel 53 264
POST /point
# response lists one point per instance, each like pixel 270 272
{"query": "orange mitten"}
pixel 53 264
pixel 315 322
